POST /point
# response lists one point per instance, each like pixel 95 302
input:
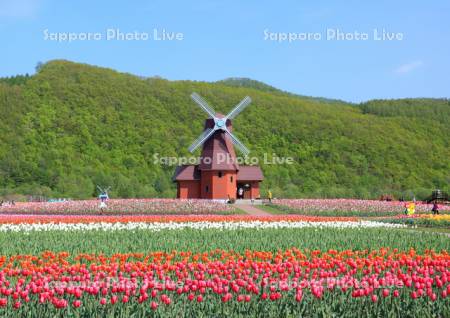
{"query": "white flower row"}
pixel 156 226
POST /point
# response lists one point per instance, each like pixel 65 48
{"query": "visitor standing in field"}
pixel 406 208
pixel 103 206
pixel 269 196
pixel 411 208
pixel 241 193
pixel 435 209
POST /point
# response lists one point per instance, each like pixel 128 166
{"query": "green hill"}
pixel 72 126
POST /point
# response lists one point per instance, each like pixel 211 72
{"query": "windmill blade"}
pixel 203 105
pixel 238 144
pixel 100 189
pixel 239 107
pixel 201 139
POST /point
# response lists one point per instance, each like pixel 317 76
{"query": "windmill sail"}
pixel 238 144
pixel 219 123
pixel 201 139
pixel 239 108
pixel 203 105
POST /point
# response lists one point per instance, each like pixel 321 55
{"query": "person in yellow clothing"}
pixel 412 208
pixel 269 196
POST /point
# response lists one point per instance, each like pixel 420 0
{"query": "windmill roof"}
pixel 192 172
pixel 186 173
pixel 250 173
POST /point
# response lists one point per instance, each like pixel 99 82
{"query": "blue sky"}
pixel 227 39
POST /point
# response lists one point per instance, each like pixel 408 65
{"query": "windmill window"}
pixel 231 179
pixel 220 174
pixel 207 189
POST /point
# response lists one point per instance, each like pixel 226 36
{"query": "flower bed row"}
pixel 29 218
pixel 289 282
pixel 198 225
pixel 350 207
pixel 121 206
pixel 423 220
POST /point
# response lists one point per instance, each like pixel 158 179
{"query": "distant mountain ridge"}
pixel 72 126
pixel 250 83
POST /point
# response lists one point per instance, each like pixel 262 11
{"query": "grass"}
pixel 238 210
pixel 272 209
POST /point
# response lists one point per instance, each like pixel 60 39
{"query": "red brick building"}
pixel 217 184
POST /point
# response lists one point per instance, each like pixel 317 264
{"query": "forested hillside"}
pixel 72 126
pixel 434 109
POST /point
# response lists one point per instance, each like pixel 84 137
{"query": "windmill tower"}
pixel 218 175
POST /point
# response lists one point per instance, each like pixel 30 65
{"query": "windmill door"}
pixel 243 191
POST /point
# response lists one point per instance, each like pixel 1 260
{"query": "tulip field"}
pixel 349 207
pixel 217 264
pixel 121 207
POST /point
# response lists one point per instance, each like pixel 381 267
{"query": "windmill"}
pixel 103 193
pixel 221 123
pixel 214 177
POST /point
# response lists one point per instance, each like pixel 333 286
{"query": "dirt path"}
pixel 253 210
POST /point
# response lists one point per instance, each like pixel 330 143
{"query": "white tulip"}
pixel 160 226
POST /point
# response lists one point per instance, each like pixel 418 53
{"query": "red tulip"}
pixel 76 303
pixel 114 299
pixel 153 305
